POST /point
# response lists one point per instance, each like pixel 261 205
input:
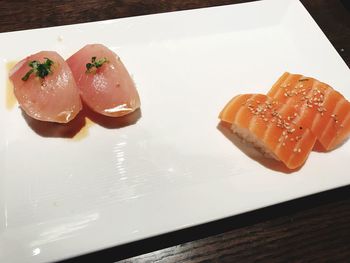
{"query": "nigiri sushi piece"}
pixel 269 125
pixel 45 87
pixel 320 108
pixel 104 83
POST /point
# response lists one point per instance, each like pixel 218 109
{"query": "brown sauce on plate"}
pixel 11 100
pixel 84 131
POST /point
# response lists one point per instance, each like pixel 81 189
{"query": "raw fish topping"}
pixel 104 83
pixel 302 108
pixel 45 87
pixel 48 88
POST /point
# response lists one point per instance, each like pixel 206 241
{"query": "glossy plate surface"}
pixel 174 168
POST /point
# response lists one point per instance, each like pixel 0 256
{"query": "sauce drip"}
pixel 11 100
pixel 84 132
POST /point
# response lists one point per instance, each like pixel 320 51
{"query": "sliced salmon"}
pixel 272 126
pixel 54 97
pixel 107 88
pixel 320 108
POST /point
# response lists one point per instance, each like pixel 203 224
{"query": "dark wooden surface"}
pixel 314 228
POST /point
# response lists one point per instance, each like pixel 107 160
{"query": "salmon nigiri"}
pixel 269 125
pixel 45 88
pixel 105 84
pixel 320 108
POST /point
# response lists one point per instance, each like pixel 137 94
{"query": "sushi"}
pixel 104 83
pixel 45 87
pixel 273 127
pixel 320 108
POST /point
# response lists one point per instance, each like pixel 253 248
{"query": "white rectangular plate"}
pixel 173 169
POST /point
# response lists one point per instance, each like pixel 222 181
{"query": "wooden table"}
pixel 313 228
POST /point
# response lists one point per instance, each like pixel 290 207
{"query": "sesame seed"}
pixel 299 150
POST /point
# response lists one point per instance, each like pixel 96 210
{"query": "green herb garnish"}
pixel 39 69
pixel 95 64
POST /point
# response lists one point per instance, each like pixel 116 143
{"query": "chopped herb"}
pixel 95 64
pixel 39 69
